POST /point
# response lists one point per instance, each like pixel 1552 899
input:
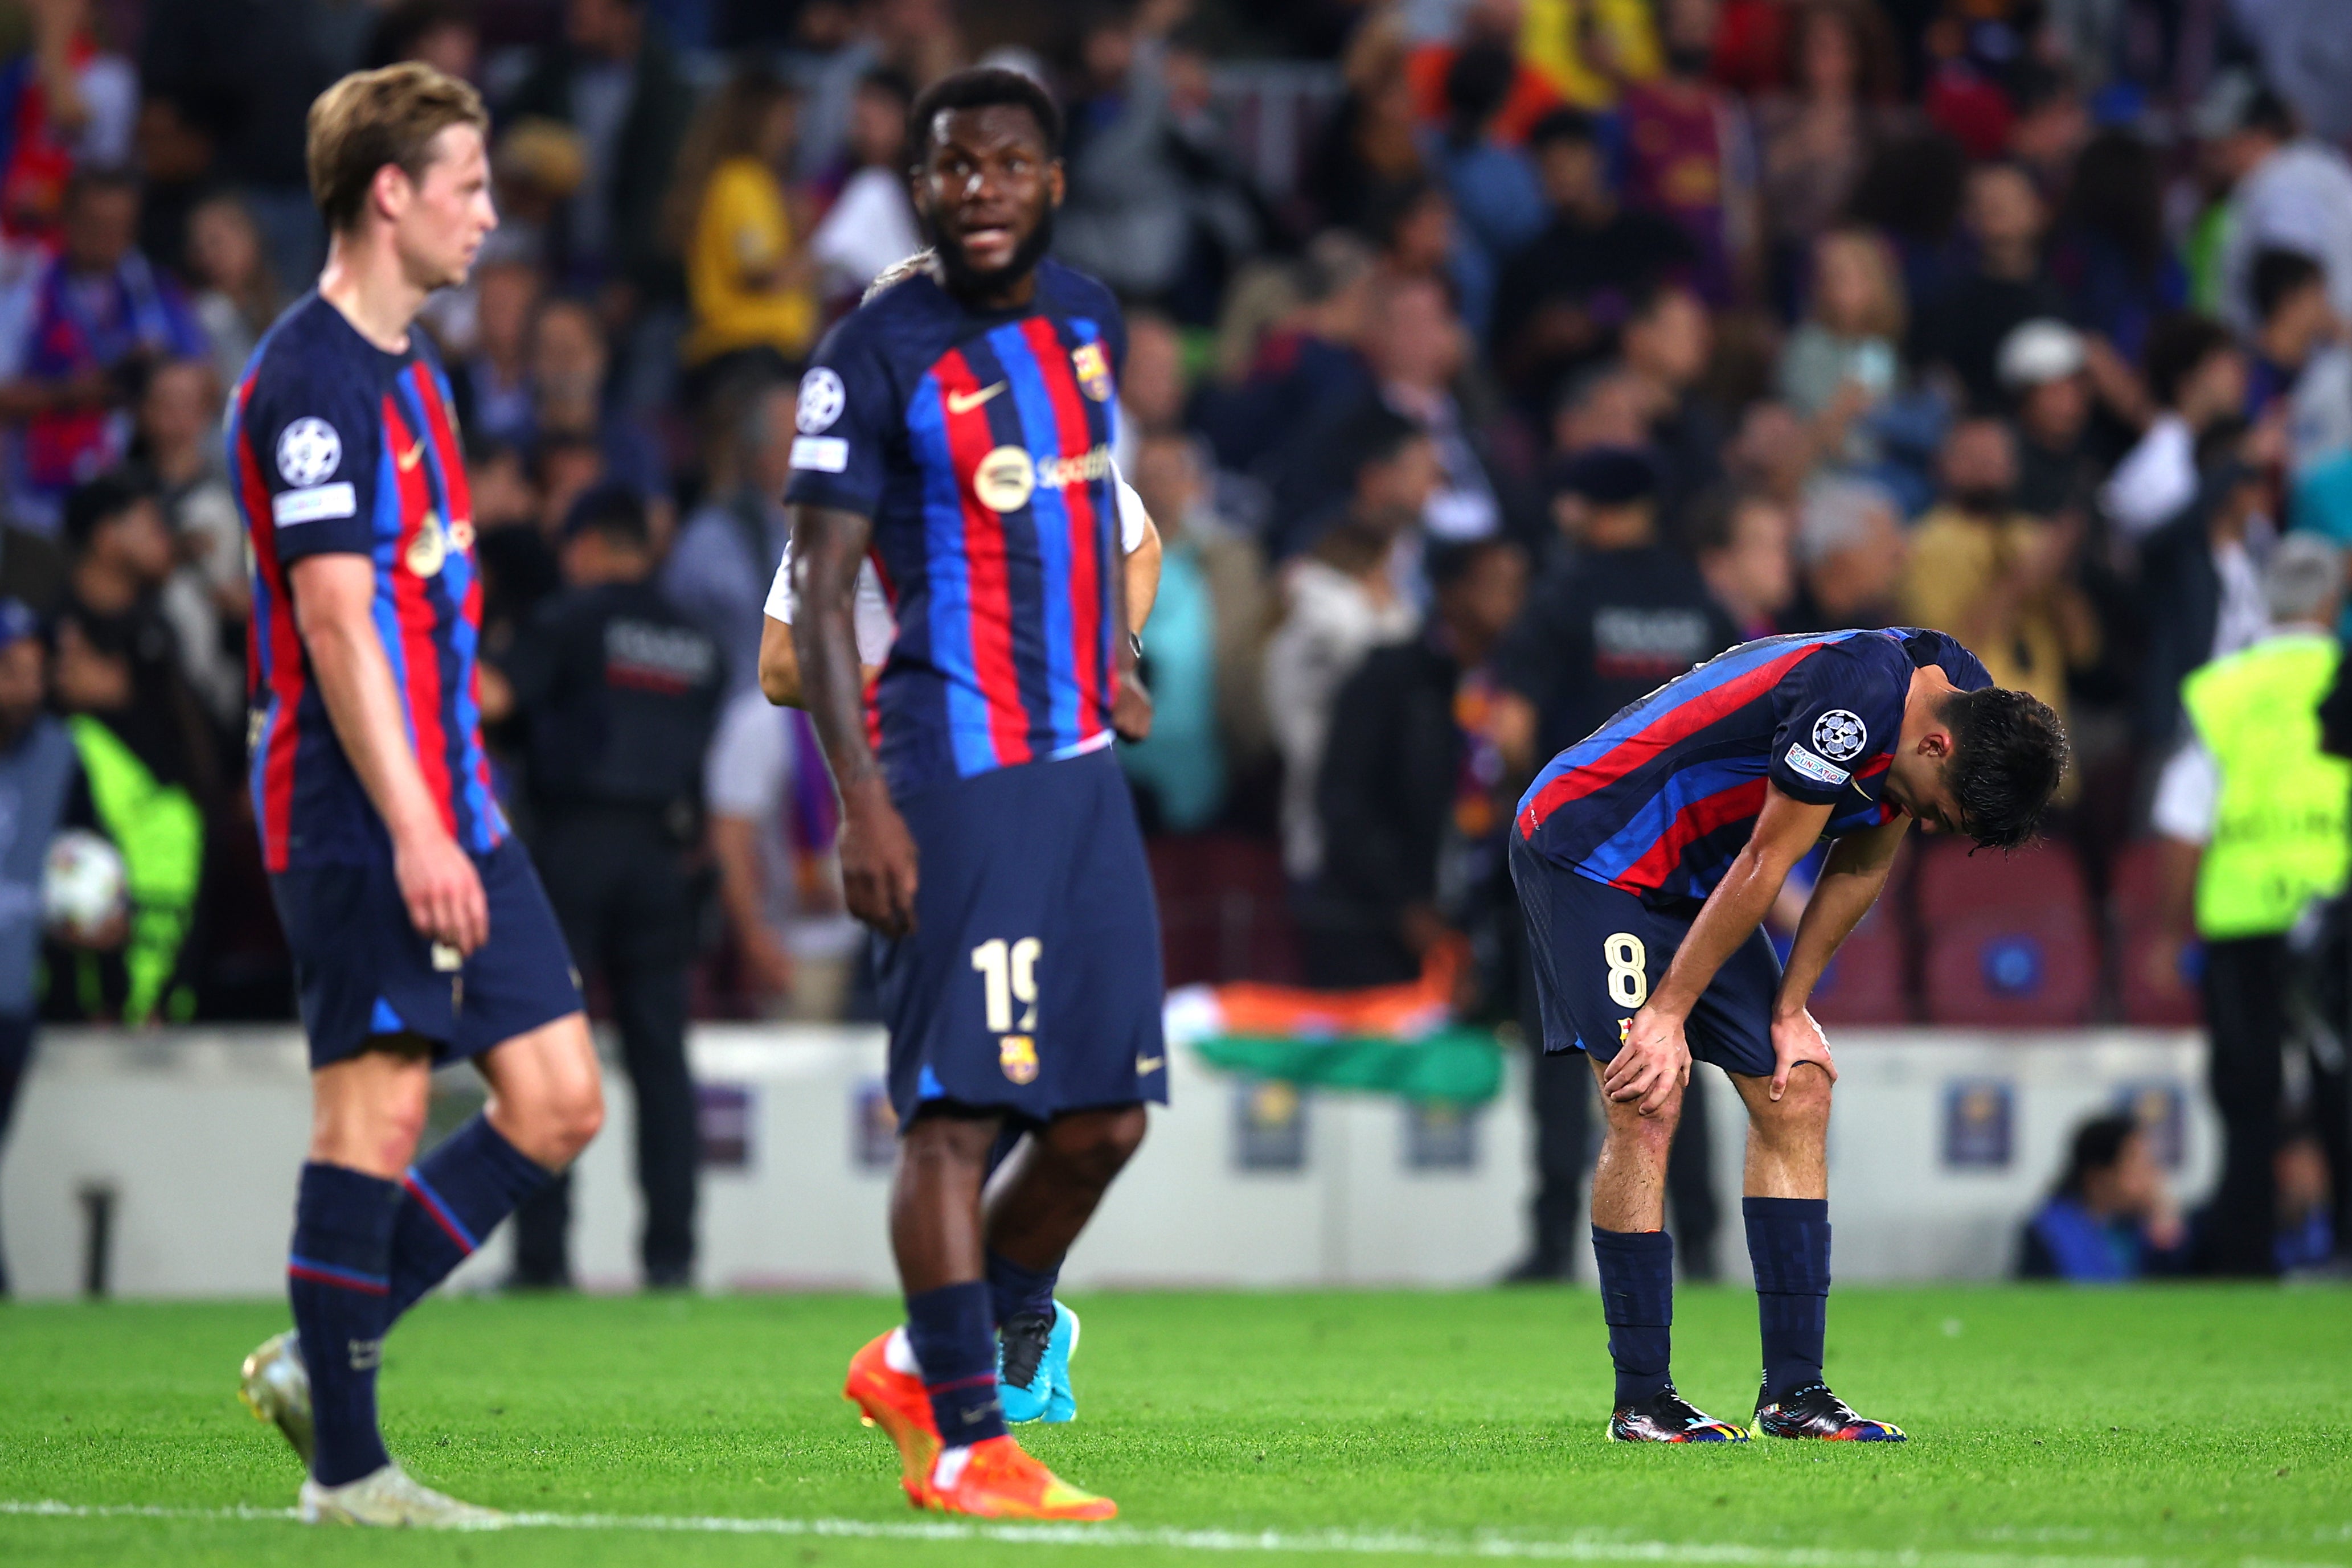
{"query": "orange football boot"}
pixel 1002 1482
pixel 895 1401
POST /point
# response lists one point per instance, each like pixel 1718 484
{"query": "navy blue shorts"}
pixel 1030 984
pixel 363 970
pixel 1598 952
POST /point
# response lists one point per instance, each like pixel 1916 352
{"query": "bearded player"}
pixel 1646 857
pixel 419 931
pixel 956 428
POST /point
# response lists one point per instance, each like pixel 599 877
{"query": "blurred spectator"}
pixel 1851 550
pixel 1689 155
pixel 2200 583
pixel 175 147
pixel 492 384
pixel 2300 362
pixel 1151 387
pixel 717 572
pixel 747 282
pixel 1771 452
pixel 207 598
pixel 1960 96
pixel 2286 192
pixel 614 80
pixel 38 767
pixel 2110 1221
pixel 147 756
pixel 871 223
pixel 1625 612
pixel 1842 363
pixel 1340 600
pixel 1409 792
pixel 1305 371
pixel 617 695
pixel 1370 148
pixel 237 297
pixel 2196 375
pixel 1496 199
pixel 1203 648
pixel 570 398
pixel 67 104
pixel 1962 326
pixel 1562 295
pixel 1420 352
pixel 1746 553
pixel 1998 578
pixel 1125 218
pixel 2110 253
pixel 75 339
pixel 1815 142
pixel 443 34
pixel 2253 803
pixel 258 68
pixel 2044 367
pixel 1667 344
pixel 1612 36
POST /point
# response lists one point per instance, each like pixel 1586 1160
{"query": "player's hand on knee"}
pixel 1797 1038
pixel 1652 1064
pixel 879 867
pixel 441 888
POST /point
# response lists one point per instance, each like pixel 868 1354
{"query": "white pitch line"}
pixel 1591 1548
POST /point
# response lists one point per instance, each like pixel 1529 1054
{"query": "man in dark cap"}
pixel 1619 613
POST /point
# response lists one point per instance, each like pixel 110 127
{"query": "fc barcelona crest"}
pixel 1094 371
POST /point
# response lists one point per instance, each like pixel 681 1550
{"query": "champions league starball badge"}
pixel 1840 734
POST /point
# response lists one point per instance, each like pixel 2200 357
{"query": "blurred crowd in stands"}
pixel 1492 360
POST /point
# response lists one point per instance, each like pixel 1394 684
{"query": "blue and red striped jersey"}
pixel 336 447
pixel 979 442
pixel 1660 800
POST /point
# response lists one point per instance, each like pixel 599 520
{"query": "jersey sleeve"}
pixel 1837 711
pixel 847 418
pixel 314 441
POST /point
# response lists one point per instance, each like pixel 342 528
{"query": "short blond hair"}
pixel 370 119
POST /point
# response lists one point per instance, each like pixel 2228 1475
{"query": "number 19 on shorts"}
pixel 1008 974
pixel 1628 977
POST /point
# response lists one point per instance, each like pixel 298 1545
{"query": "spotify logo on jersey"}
pixel 1005 479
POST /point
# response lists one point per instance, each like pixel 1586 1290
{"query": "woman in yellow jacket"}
pixel 748 277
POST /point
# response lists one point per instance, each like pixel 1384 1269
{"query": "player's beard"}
pixel 967 280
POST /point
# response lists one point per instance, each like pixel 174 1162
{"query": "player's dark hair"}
pixel 613 511
pixel 983 86
pixel 2177 347
pixel 2009 752
pixel 2279 274
pixel 370 119
pixel 2098 1145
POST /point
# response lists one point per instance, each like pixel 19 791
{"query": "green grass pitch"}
pixel 2156 1425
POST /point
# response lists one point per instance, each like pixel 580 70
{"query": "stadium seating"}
pixel 2157 962
pixel 1871 979
pixel 2009 940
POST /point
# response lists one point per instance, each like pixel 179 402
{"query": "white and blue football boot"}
pixel 1033 1367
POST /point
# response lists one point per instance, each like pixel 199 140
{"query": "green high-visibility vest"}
pixel 2280 835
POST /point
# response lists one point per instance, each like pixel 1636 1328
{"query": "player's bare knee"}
pixel 1802 1112
pixel 1096 1144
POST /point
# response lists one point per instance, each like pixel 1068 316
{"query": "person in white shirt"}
pixel 2287 192
pixel 2197 373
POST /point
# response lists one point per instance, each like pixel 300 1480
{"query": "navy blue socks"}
pixel 1637 1301
pixel 337 1278
pixel 1789 1243
pixel 952 1332
pixel 1013 1290
pixel 450 1202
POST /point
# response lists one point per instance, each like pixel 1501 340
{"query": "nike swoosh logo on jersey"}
pixel 413 456
pixel 1148 1064
pixel 964 402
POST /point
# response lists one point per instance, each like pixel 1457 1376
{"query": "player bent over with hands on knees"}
pixel 955 428
pixel 1645 858
pixel 419 931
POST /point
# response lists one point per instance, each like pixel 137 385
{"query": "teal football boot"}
pixel 1033 1367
